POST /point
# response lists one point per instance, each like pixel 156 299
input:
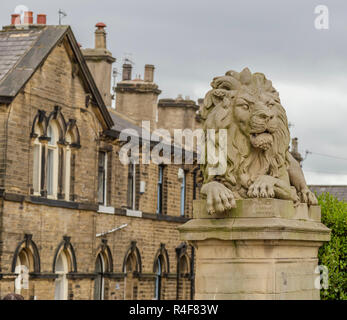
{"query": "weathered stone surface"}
pixel 265 249
pixel 251 152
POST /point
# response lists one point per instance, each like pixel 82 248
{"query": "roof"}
pixel 121 123
pixel 22 51
pixel 340 192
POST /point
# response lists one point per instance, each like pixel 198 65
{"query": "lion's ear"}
pixel 245 76
pixel 233 74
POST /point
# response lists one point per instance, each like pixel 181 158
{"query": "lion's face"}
pixel 256 118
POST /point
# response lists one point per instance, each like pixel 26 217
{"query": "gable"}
pixel 33 55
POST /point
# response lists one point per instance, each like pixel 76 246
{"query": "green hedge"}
pixel 333 254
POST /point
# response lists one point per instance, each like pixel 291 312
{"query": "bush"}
pixel 333 254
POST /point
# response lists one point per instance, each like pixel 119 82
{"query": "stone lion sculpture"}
pixel 258 161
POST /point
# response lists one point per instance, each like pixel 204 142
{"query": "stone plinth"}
pixel 263 249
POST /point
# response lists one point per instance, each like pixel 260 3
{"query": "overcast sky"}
pixel 191 41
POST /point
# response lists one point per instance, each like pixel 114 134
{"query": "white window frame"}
pixel 37 158
pixel 62 277
pixel 52 145
pixel 134 186
pixel 67 168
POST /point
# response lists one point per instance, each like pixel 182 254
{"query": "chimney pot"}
pixel 15 19
pixel 100 25
pixel 100 36
pixel 28 17
pixel 149 73
pixel 41 19
pixel 126 75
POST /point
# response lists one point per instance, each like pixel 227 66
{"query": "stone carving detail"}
pixel 258 161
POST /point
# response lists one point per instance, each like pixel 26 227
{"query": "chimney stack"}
pixel 149 73
pixel 100 36
pixel 295 145
pixel 28 17
pixel 41 19
pixel 126 75
pixel 15 19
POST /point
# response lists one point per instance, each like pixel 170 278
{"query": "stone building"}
pixel 76 223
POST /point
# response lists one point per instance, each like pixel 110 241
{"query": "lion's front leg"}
pixel 269 187
pixel 218 197
pixel 297 179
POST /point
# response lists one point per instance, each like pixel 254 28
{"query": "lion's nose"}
pixel 265 115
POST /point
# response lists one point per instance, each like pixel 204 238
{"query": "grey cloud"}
pixel 192 41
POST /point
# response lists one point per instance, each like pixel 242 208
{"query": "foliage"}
pixel 333 254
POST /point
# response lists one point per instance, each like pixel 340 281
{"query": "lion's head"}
pixel 249 107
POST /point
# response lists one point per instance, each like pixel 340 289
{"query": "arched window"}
pixel 161 266
pixel 158 279
pixel 130 283
pixel 26 259
pixel 52 160
pixel 183 278
pixel 37 155
pixel 99 280
pixel 64 262
pixel 24 265
pixel 62 267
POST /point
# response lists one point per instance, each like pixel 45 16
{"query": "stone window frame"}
pixel 65 152
pixel 29 250
pixel 161 268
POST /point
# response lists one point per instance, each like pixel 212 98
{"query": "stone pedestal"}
pixel 263 249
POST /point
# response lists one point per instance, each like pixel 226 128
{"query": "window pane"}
pixel 67 173
pixel 36 168
pixel 50 134
pixel 131 186
pixel 160 190
pixel 50 160
pixel 183 194
pixel 101 178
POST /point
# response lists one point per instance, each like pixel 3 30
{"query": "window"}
pixel 52 161
pixel 37 152
pixel 102 181
pixel 24 265
pixel 67 178
pixel 195 183
pixel 183 194
pixel 61 283
pixel 157 292
pixel 183 282
pixel 130 283
pixel 99 280
pixel 160 190
pixel 131 196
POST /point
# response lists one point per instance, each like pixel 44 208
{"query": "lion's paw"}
pixel 263 187
pixel 218 197
pixel 307 196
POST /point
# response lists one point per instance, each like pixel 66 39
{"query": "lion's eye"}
pixel 270 105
